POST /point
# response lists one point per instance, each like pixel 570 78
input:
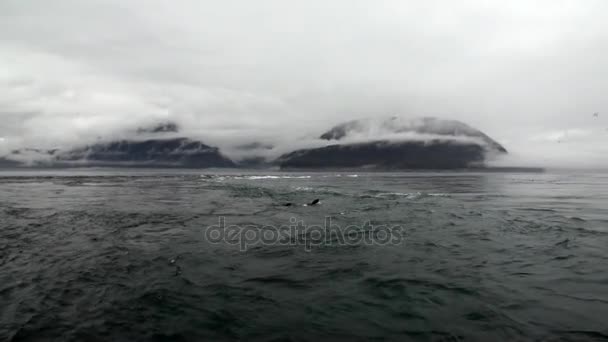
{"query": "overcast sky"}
pixel 529 73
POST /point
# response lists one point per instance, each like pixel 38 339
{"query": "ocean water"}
pixel 138 255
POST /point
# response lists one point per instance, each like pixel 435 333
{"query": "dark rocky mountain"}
pixel 4 162
pixel 393 143
pixel 176 152
pixel 426 125
pixel 388 155
pixel 448 145
pixel 160 149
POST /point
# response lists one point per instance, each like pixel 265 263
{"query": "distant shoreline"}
pixel 514 169
pixel 380 170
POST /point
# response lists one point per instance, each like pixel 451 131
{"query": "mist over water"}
pixel 529 74
pixel 122 255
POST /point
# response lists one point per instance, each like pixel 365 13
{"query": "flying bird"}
pixel 596 114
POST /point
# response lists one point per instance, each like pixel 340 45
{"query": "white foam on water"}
pixel 273 177
pixel 412 195
pixel 255 177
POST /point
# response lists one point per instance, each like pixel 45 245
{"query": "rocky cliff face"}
pixel 426 143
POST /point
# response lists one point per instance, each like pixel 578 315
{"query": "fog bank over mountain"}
pixel 247 76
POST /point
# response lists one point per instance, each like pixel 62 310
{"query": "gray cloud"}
pixel 276 71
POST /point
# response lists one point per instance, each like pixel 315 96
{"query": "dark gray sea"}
pixel 204 255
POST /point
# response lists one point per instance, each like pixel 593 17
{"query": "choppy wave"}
pixel 263 177
pixel 124 257
pixel 252 177
pixel 272 177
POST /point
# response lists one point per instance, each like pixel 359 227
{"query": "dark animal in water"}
pixel 315 202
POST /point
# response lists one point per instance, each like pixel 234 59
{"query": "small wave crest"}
pixel 272 177
pixel 411 195
pixel 253 177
